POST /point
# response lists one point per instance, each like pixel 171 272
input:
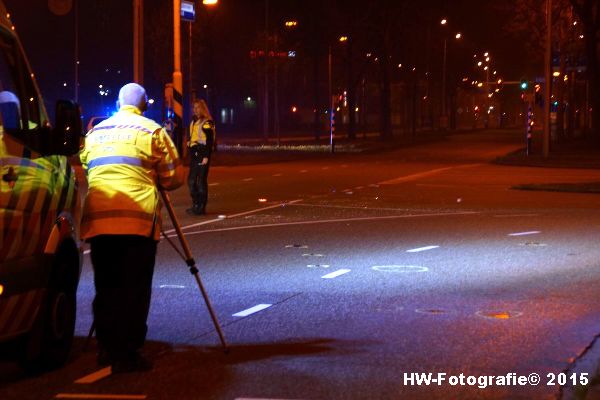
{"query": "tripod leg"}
pixel 192 264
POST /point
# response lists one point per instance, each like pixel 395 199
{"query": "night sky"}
pixel 233 28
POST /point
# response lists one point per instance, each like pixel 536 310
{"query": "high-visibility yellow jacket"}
pixel 202 135
pixel 126 157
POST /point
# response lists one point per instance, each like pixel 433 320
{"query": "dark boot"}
pixel 196 209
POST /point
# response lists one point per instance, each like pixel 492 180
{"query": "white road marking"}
pixel 335 274
pixel 221 217
pixel 515 215
pixel 96 376
pixel 248 179
pixel 257 398
pixel 524 233
pixel 252 310
pixel 172 287
pixel 350 208
pixel 424 174
pixel 214 184
pixel 277 175
pixel 100 396
pixel 419 249
pixel 399 268
pixel 328 221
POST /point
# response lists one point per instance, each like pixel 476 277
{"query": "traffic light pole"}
pixel 529 128
pixel 177 77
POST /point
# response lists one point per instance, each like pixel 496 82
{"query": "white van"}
pixel 40 255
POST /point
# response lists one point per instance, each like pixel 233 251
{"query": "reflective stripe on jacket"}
pixel 126 157
pixel 202 134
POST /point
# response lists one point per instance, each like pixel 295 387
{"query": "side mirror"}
pixel 68 129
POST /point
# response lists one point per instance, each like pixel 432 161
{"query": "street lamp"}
pixel 444 119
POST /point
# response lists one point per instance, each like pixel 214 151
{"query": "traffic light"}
pixel 524 84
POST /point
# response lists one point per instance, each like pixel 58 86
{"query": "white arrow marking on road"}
pixel 252 310
pixel 524 233
pixel 335 274
pixel 422 249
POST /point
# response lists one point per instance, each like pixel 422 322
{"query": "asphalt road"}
pixel 337 277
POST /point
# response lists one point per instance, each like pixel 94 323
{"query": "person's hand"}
pixel 204 160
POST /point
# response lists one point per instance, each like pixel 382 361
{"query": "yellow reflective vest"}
pixel 126 157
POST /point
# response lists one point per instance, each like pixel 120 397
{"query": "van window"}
pixel 21 113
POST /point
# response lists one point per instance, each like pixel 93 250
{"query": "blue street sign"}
pixel 188 12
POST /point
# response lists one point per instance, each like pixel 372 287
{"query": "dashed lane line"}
pixel 335 274
pixel 524 233
pixel 424 174
pixel 252 310
pixel 256 398
pixel 95 377
pixel 100 396
pixel 419 249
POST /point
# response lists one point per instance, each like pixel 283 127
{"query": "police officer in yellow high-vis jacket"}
pixel 126 158
pixel 201 144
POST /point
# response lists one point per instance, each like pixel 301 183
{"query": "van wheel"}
pixel 48 344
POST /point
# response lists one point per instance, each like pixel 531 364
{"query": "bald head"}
pixel 133 94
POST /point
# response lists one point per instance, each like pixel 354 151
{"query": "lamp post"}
pixel 444 118
pixel 138 41
pixel 548 79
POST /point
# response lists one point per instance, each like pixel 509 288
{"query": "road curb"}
pixel 587 362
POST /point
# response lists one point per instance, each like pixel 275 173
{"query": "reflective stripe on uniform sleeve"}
pixel 24 162
pixel 136 127
pixel 111 160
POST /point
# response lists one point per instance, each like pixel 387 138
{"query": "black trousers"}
pixel 198 182
pixel 123 269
